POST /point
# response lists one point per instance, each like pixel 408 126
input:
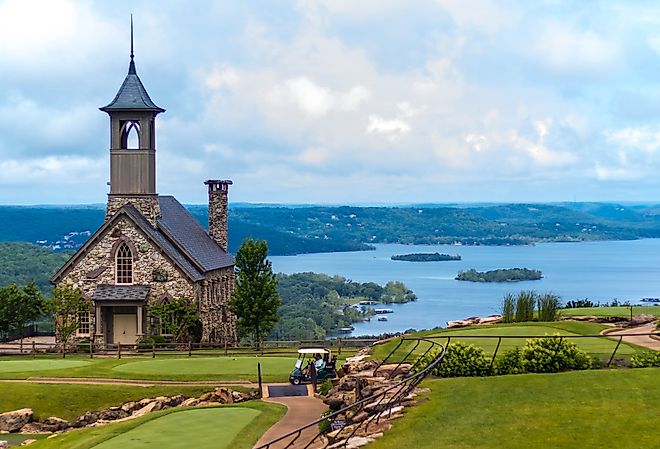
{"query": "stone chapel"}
pixel 150 247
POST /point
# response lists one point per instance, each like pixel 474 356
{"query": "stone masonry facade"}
pixel 146 204
pixel 218 323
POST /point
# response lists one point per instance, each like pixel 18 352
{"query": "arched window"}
pixel 130 134
pixel 124 263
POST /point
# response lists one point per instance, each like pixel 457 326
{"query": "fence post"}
pixel 118 350
pixel 190 349
pixel 259 376
pixel 153 349
pixel 339 349
pixel 490 369
pixel 21 345
pixel 91 348
pixel 225 347
pixel 615 349
pixel 34 348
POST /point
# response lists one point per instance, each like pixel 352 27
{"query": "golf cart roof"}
pixel 313 351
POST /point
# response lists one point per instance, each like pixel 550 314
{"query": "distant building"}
pixel 150 247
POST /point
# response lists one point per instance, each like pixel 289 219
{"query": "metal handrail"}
pixel 401 390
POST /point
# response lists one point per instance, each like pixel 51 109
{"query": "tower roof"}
pixel 132 95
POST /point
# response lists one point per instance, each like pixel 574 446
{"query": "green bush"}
pixel 148 342
pixel 325 387
pixel 511 362
pixel 552 355
pixel 462 360
pixel 645 359
pixel 324 425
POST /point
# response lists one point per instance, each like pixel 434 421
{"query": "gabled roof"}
pixel 132 95
pixel 154 235
pixel 190 237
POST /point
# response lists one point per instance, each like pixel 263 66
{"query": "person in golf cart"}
pixel 321 366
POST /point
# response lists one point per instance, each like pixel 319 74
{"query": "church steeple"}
pixel 133 145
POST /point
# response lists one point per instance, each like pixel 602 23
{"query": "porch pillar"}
pixel 98 322
pixel 140 326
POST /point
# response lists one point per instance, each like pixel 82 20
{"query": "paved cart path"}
pixel 640 340
pixel 301 410
pixel 130 382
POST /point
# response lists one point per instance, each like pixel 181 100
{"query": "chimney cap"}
pixel 218 181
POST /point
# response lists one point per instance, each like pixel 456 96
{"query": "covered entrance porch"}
pixel 120 314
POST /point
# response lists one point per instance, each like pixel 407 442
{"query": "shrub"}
pixel 552 355
pixel 324 425
pixel 325 387
pixel 511 362
pixel 645 359
pixel 525 306
pixel 548 305
pixel 508 308
pixel 462 360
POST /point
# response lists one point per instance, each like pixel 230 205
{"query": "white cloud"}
pixel 605 173
pixel 643 138
pixel 52 170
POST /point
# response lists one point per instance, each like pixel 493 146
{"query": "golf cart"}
pixel 300 374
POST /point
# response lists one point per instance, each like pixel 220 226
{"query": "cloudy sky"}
pixel 340 101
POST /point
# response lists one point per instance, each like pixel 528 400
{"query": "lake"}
pixel 599 271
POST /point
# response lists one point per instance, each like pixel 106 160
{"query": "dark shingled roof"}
pixel 164 243
pixel 121 293
pixel 132 95
pixel 190 237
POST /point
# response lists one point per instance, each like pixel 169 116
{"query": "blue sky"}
pixel 337 101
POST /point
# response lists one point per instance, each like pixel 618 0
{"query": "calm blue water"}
pixel 600 271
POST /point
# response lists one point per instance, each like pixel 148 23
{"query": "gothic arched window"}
pixel 124 264
pixel 130 134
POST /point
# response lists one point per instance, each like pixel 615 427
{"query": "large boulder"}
pixel 14 420
pixel 4 444
pixel 223 395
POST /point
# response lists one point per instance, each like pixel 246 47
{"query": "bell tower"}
pixel 133 147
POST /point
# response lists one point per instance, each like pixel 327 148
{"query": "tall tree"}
pixel 255 300
pixel 68 306
pixel 20 306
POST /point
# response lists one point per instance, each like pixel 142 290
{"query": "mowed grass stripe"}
pixel 238 368
pixel 23 366
pixel 215 428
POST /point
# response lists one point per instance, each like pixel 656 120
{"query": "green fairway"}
pixel 179 368
pixel 68 401
pixel 516 335
pixel 27 365
pixel 580 409
pixel 231 368
pixel 621 311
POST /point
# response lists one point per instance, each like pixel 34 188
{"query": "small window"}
pixel 84 323
pixel 124 262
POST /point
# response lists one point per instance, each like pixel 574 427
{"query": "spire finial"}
pixel 131 36
pixel 131 66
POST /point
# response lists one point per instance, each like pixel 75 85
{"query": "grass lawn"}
pixel 234 368
pixel 579 409
pixel 236 427
pixel 621 311
pixel 70 401
pixel 598 346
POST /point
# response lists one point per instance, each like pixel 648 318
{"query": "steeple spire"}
pixel 131 66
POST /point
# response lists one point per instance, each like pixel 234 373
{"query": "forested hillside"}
pixel 21 263
pixel 309 229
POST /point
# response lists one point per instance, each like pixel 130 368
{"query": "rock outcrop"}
pixel 14 420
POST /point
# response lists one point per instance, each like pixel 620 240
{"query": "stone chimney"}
pixel 218 190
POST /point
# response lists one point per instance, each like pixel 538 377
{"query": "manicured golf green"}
pixel 23 366
pixel 236 368
pixel 235 427
pixel 579 409
pixel 212 427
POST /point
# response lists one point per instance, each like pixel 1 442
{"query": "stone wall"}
pixel 218 323
pixel 146 259
pixel 146 204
